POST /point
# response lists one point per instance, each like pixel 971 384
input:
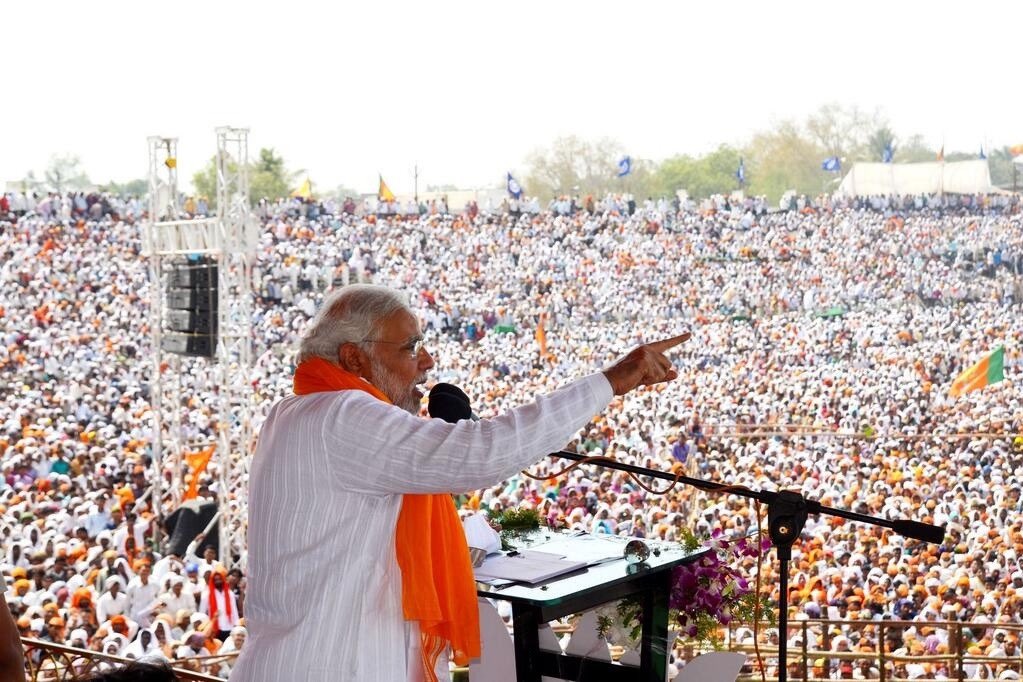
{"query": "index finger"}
pixel 668 344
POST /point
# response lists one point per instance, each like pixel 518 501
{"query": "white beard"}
pixel 401 396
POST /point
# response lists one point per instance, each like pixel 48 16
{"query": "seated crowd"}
pixel 825 339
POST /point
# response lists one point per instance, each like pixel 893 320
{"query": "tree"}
pixel 880 140
pixel 65 173
pixel 701 177
pixel 204 182
pixel 1000 162
pixel 573 166
pixel 914 150
pixel 841 131
pixel 642 181
pixel 138 187
pixel 269 178
pixel 785 158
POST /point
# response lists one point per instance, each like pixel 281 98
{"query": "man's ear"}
pixel 352 358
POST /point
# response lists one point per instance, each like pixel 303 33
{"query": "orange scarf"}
pixel 437 585
pixel 214 609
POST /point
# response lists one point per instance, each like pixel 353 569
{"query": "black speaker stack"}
pixel 190 307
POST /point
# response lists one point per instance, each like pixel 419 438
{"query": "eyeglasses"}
pixel 412 346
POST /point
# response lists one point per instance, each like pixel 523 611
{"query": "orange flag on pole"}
pixel 197 463
pixel 384 193
pixel 541 334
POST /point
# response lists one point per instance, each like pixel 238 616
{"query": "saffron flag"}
pixel 941 153
pixel 384 193
pixel 988 371
pixel 541 334
pixel 197 463
pixel 305 191
pixel 1016 150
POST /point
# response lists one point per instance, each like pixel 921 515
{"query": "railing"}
pixel 812 658
pixel 49 662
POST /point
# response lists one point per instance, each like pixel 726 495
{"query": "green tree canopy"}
pixel 268 177
pixel 700 177
pixel 881 139
pixel 573 166
pixel 784 158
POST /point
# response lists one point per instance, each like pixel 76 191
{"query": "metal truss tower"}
pixel 230 239
pixel 239 234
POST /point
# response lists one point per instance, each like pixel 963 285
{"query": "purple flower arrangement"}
pixel 710 593
pixel 706 594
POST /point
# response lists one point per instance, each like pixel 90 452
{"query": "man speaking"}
pixel 358 567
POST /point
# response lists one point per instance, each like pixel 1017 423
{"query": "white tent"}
pixel 934 177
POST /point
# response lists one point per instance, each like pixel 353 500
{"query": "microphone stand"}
pixel 787 511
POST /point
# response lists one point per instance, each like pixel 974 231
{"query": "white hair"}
pixel 349 315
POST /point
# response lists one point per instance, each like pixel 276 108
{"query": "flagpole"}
pixel 941 169
pixel 415 183
pixel 891 169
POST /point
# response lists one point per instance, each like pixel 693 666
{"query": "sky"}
pixel 466 90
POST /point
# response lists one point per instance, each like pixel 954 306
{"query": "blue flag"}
pixel 887 154
pixel 740 172
pixel 982 154
pixel 832 164
pixel 514 188
pixel 624 166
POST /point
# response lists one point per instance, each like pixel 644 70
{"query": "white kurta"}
pixel 324 596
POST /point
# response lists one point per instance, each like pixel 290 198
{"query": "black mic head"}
pixel 917 530
pixel 448 402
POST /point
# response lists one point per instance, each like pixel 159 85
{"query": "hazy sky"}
pixel 468 89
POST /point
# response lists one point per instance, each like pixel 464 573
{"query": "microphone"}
pixel 449 403
pixel 919 531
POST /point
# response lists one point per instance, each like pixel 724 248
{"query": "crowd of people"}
pixel 825 339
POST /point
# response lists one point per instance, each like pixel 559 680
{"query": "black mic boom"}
pixel 449 403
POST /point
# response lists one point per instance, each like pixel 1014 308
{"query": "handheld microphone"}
pixel 449 403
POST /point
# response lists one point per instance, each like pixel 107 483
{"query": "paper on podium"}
pixel 590 549
pixel 528 566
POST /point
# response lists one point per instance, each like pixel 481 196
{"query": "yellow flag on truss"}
pixel 305 190
pixel 384 193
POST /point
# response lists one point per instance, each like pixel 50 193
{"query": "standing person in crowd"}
pixel 220 604
pixel 349 452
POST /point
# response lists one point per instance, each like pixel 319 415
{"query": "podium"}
pixel 585 589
